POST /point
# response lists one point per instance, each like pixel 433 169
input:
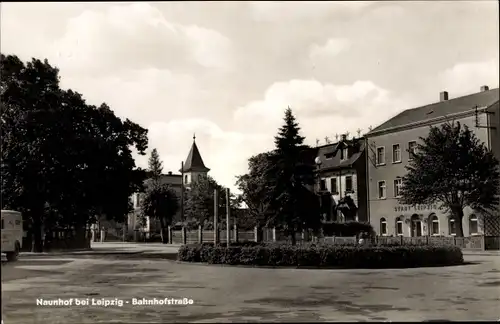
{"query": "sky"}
pixel 226 71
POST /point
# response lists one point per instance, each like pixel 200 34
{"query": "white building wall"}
pixel 341 184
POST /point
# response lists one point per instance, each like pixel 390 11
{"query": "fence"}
pixel 468 243
pixel 186 236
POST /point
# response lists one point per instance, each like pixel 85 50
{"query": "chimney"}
pixel 443 96
pixel 485 88
pixel 169 172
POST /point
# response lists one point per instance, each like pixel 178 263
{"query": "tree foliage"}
pixel 59 151
pixel 199 203
pixel 453 168
pixel 160 200
pixel 255 187
pixel 295 207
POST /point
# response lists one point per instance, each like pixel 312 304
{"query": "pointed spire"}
pixel 194 162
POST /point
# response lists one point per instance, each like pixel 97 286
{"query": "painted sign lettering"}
pixel 407 208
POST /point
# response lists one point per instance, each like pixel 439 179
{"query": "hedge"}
pixel 323 255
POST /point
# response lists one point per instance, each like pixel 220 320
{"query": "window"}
pixel 328 156
pixel 348 184
pixel 333 186
pixel 398 183
pixel 186 178
pixel 380 155
pixel 473 228
pixel 399 225
pixel 344 154
pixel 412 149
pixel 381 190
pixel 322 184
pixel 452 227
pixel 140 198
pixel 396 153
pixel 383 226
pixel 434 225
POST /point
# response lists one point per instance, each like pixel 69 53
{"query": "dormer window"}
pixel 344 153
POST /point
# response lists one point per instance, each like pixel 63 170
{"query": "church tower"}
pixel 194 168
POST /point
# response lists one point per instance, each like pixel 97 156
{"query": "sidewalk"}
pixel 482 253
pixel 111 247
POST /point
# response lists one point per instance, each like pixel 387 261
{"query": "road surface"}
pixel 122 272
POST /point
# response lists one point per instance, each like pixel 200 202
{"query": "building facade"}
pixel 341 174
pixel 192 169
pixel 390 147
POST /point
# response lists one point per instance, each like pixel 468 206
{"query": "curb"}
pixel 304 267
pixel 54 252
pixel 482 254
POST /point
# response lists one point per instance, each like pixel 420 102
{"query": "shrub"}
pixel 311 255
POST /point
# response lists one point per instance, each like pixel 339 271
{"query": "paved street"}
pixel 227 294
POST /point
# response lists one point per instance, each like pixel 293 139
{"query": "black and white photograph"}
pixel 250 161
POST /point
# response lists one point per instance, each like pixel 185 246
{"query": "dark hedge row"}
pixel 323 255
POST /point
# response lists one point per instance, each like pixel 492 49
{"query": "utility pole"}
pixel 182 191
pixel 228 214
pixel 216 216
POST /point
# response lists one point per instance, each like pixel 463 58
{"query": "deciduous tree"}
pixel 160 201
pixel 59 151
pixel 453 168
pixel 199 203
pixel 255 187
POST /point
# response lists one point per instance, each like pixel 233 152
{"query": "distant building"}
pixel 194 168
pixel 390 146
pixel 341 180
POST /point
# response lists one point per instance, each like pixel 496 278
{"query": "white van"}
pixel 12 234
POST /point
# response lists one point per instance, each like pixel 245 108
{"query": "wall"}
pixel 390 171
pixel 194 176
pixel 494 134
pixel 362 189
pixel 341 183
pixel 175 183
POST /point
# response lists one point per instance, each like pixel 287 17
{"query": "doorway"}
pixel 416 226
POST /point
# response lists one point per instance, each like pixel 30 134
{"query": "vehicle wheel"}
pixel 13 256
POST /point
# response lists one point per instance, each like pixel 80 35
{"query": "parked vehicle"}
pixel 12 234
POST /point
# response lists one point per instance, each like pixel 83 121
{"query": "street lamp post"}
pixel 317 160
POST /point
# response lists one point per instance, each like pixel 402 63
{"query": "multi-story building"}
pixel 192 169
pixel 390 146
pixel 341 173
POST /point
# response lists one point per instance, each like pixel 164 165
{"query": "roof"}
pixel 10 211
pixel 194 162
pixel 334 149
pixel 441 109
pixel 169 179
